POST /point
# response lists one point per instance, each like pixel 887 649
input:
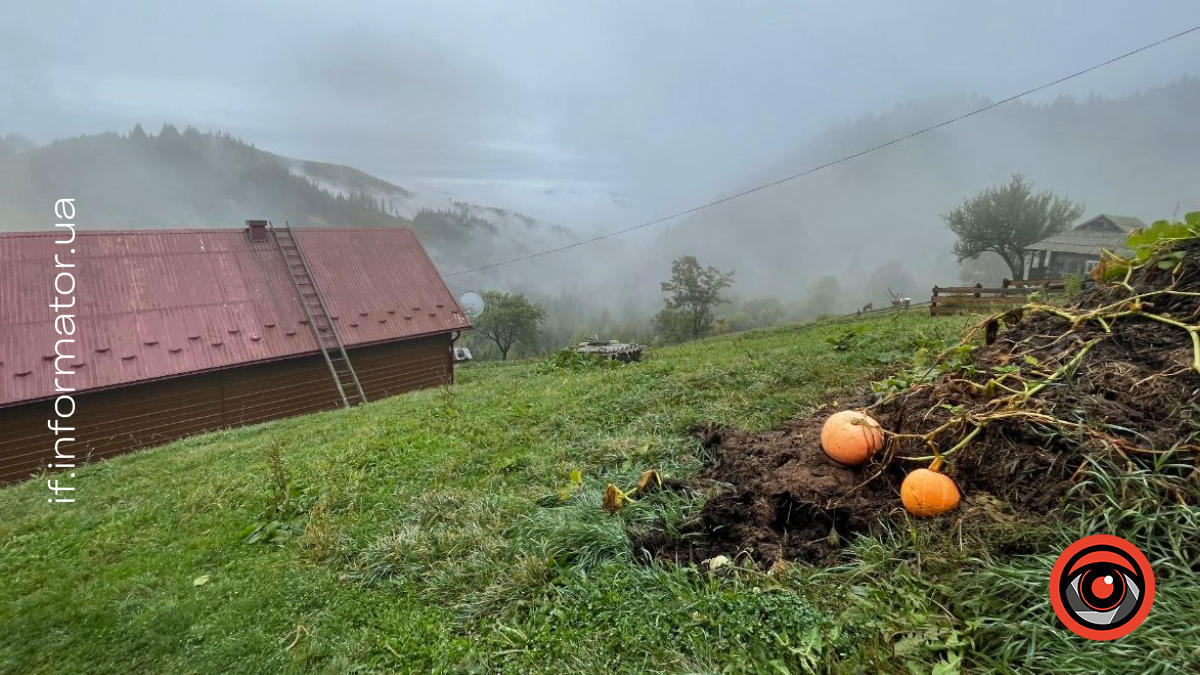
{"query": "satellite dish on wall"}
pixel 472 303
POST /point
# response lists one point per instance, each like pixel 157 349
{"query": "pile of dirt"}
pixel 1114 376
pixel 776 495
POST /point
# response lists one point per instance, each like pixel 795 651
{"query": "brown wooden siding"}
pixel 113 422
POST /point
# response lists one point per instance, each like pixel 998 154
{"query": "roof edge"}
pixel 198 230
pixel 231 366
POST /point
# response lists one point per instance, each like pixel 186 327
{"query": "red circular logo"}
pixel 1102 587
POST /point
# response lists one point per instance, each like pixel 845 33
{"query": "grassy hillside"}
pixel 420 545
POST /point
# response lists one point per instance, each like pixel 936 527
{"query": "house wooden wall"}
pixel 120 420
pixel 1061 265
pixel 1066 264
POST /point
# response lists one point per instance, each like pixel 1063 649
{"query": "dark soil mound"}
pixel 789 497
pixel 1114 377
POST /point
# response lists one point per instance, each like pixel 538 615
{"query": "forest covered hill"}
pixel 830 241
pixel 177 179
pixel 878 216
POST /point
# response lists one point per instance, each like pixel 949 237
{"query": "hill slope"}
pixel 441 532
pixel 423 546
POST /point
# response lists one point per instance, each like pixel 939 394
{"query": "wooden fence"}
pixel 968 299
pixel 1049 285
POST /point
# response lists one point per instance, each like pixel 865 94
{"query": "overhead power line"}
pixel 826 165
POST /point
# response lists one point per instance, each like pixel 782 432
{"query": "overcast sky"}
pixel 586 112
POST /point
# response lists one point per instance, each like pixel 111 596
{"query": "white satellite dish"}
pixel 472 303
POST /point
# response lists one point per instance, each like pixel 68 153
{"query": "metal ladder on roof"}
pixel 323 330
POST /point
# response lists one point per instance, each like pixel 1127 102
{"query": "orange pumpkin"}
pixel 850 437
pixel 927 493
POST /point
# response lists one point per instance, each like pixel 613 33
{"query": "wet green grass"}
pixel 419 544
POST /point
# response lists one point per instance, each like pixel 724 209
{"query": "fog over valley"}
pixel 498 133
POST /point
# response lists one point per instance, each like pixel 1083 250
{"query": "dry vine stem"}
pixel 1034 415
pixel 1029 379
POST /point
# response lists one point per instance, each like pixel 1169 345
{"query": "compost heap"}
pixel 1113 377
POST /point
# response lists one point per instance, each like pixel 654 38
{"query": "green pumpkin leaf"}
pixel 1143 240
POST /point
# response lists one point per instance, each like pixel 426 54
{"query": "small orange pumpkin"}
pixel 850 437
pixel 927 493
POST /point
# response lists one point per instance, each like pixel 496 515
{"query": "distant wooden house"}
pixel 1077 250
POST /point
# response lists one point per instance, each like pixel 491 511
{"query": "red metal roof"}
pixel 158 304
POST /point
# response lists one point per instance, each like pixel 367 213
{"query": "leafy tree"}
pixel 764 312
pixel 509 318
pixel 822 298
pixel 671 325
pixel 692 293
pixel 1007 218
pixel 10 143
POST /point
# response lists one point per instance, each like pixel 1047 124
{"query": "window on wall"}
pixel 1091 265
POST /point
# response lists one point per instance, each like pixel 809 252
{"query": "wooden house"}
pixel 185 331
pixel 1077 251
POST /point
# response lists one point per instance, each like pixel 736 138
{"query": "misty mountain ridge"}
pixel 193 179
pixel 347 181
pixel 878 217
pixel 870 223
